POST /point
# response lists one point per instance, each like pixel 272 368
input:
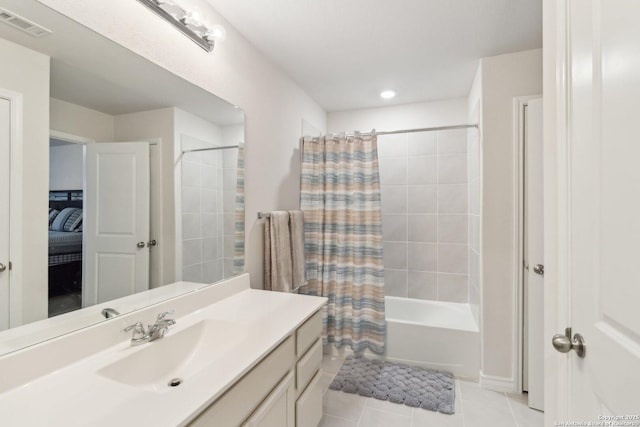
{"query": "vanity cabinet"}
pixel 282 390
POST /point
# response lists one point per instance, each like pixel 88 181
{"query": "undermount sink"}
pixel 179 355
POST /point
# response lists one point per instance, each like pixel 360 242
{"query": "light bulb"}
pixel 216 33
pixel 387 94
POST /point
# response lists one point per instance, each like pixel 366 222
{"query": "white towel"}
pixel 278 274
pixel 296 228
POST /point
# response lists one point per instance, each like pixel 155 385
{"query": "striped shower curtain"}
pixel 340 198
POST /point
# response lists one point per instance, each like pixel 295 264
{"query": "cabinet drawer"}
pixel 308 365
pixel 309 405
pixel 244 397
pixel 308 333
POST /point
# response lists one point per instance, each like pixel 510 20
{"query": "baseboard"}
pixel 502 384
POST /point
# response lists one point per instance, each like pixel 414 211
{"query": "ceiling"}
pixel 344 53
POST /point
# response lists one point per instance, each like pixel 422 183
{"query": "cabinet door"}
pixel 278 409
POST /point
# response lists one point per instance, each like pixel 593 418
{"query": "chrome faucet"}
pixel 153 332
pixel 161 327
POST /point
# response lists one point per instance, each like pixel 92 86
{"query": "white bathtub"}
pixel 433 334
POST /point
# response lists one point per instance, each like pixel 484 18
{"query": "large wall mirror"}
pixel 144 191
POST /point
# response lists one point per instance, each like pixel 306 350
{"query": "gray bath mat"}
pixel 397 383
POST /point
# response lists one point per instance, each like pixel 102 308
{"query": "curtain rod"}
pixel 392 132
pixel 210 148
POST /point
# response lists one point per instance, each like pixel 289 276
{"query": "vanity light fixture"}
pixel 188 22
pixel 387 94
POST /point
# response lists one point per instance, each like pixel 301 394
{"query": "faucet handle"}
pixel 138 328
pixel 164 314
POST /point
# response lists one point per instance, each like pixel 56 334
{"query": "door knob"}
pixel 140 245
pixel 564 343
pixel 152 243
pixel 538 269
pixel 2 267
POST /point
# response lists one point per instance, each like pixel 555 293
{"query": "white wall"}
pixel 81 121
pixel 407 116
pixel 503 78
pixel 29 76
pixel 236 71
pixel 66 167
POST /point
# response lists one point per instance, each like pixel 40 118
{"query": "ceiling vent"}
pixel 22 24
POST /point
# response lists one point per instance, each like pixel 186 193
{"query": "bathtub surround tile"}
pixel 190 200
pixel 453 287
pixel 431 195
pixel 192 273
pixel 453 228
pixel 392 146
pixel 395 283
pixel 452 141
pixel 474 197
pixel 394 199
pixel 208 201
pixel 210 272
pixel 394 227
pixel 422 256
pixel 229 179
pixel 229 159
pixel 422 170
pixel 191 174
pixel 191 226
pixel 422 285
pixel 422 199
pixel 229 201
pixel 422 144
pixel 395 255
pixel 452 198
pixel 191 252
pixel 452 169
pixel 452 258
pixel 209 177
pixel 422 228
pixel 210 225
pixel 393 171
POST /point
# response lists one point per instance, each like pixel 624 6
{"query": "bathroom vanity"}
pixel 235 356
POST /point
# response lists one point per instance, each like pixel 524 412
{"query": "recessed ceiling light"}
pixel 387 94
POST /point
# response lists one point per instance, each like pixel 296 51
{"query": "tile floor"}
pixel 474 407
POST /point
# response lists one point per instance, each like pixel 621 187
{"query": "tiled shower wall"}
pixel 202 216
pixel 425 215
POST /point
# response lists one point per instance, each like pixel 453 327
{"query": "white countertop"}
pixel 77 395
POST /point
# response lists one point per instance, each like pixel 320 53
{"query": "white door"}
pixel 5 139
pixel 116 221
pixel 599 208
pixel 534 253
